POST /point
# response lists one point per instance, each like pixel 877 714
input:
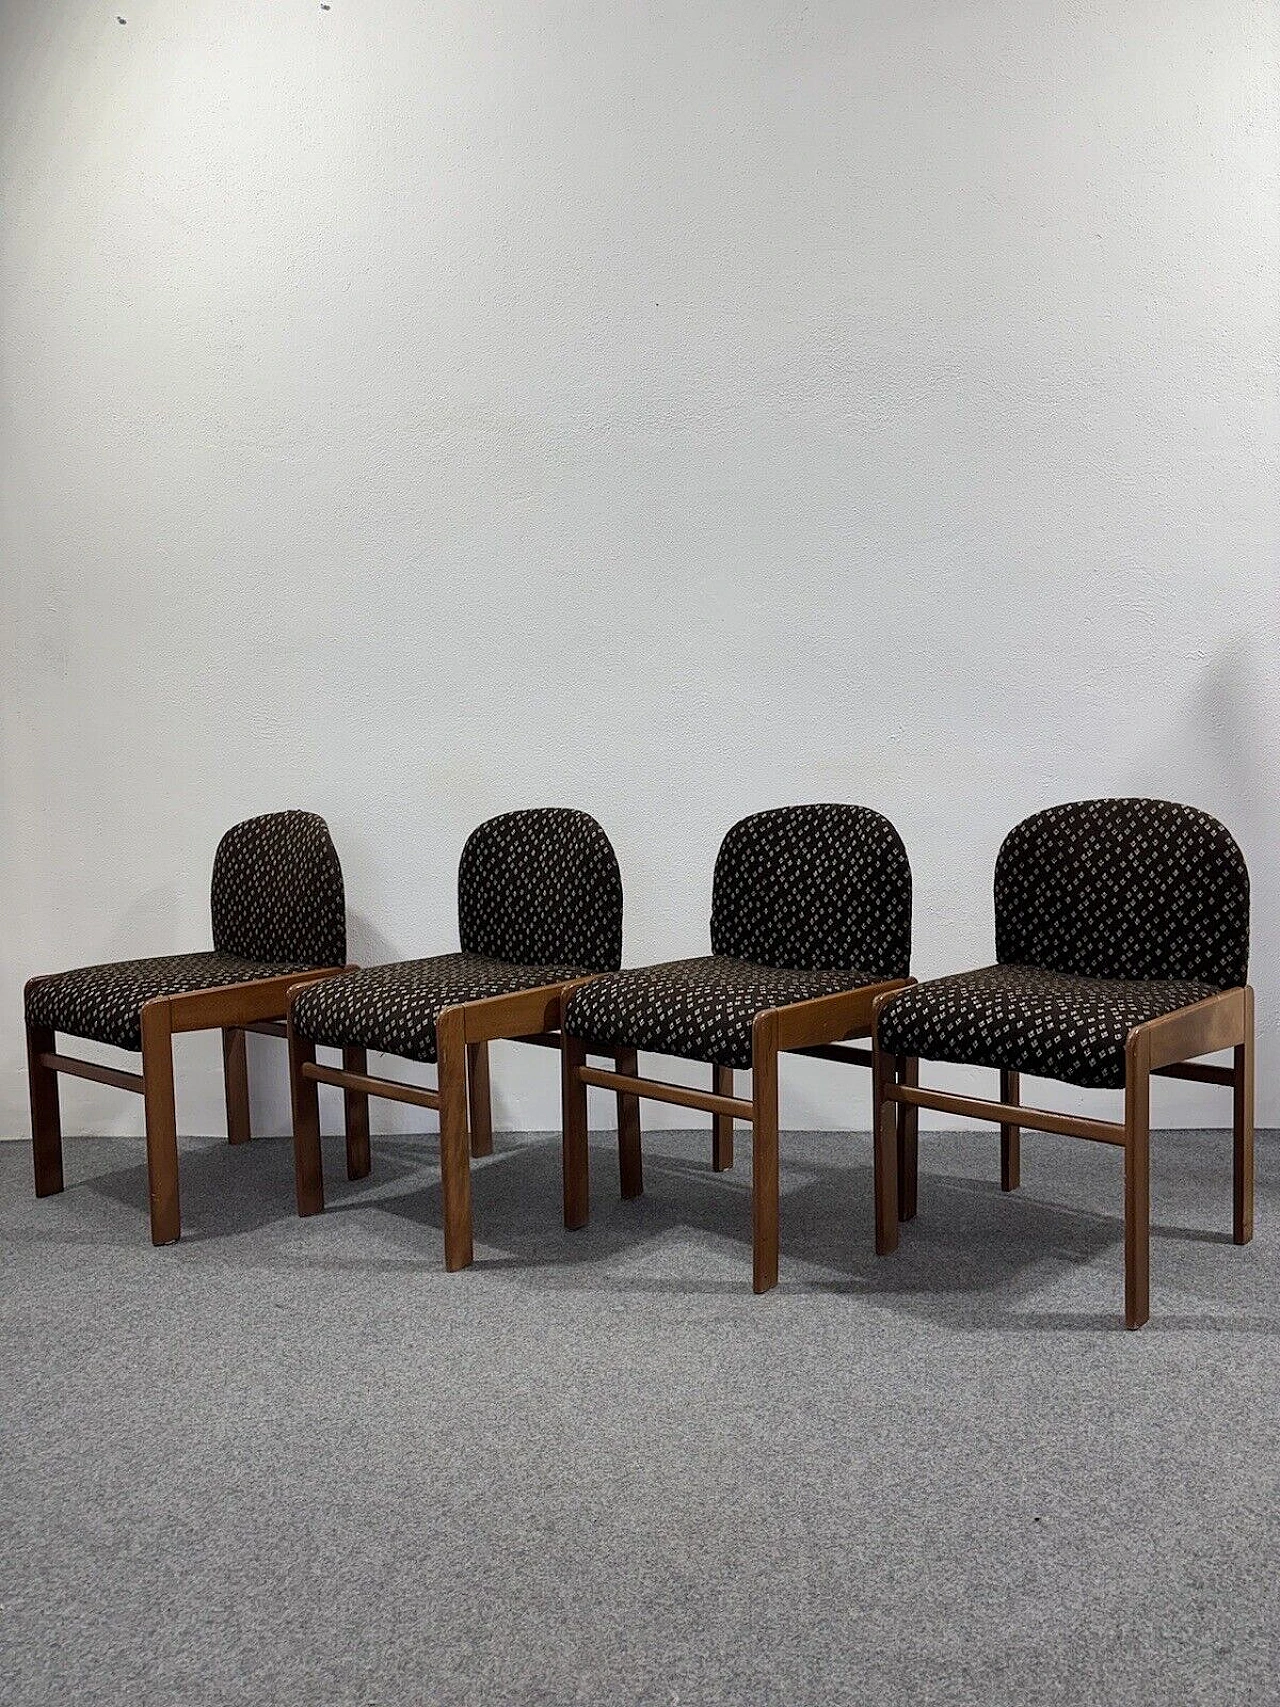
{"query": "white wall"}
pixel 413 412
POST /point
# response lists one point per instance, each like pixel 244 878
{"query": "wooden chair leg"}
pixel 1137 1182
pixel 764 1153
pixel 455 1157
pixel 479 1099
pixel 630 1162
pixel 888 1151
pixel 308 1163
pixel 722 1124
pixel 355 1114
pixel 573 1122
pixel 1010 1136
pixel 162 1123
pixel 46 1115
pixel 1242 1127
pixel 235 1076
pixel 907 1068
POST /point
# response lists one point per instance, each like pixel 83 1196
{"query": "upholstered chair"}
pixel 539 906
pixel 810 922
pixel 1122 951
pixel 278 913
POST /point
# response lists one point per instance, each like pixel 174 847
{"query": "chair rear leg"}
pixel 162 1123
pixel 308 1163
pixel 630 1160
pixel 46 1114
pixel 573 1123
pixel 764 1154
pixel 907 1069
pixel 722 1124
pixel 355 1115
pixel 1242 1126
pixel 235 1076
pixel 479 1099
pixel 455 1154
pixel 1010 1136
pixel 1137 1182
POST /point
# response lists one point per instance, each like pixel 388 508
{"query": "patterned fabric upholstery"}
pixel 395 1008
pixel 1055 1025
pixel 814 887
pixel 541 887
pixel 277 892
pixel 1109 913
pixel 105 1002
pixel 1124 889
pixel 702 1009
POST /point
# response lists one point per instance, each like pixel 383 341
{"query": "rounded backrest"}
pixel 1124 889
pixel 541 887
pixel 277 892
pixel 814 887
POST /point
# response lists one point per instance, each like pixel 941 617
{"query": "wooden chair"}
pixel 539 906
pixel 278 911
pixel 810 922
pixel 1122 947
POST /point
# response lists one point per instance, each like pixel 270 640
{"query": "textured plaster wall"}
pixel 412 412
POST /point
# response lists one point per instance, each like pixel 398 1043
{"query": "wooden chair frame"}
pixel 822 1028
pixel 233 1009
pixel 1165 1048
pixel 463 1035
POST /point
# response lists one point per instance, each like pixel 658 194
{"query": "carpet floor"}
pixel 292 1462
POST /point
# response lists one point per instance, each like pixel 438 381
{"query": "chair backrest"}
pixel 277 892
pixel 541 887
pixel 814 887
pixel 1124 889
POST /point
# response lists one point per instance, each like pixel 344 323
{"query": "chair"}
pixel 539 905
pixel 278 911
pixel 1122 948
pixel 810 922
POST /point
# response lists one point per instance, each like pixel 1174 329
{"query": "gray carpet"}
pixel 294 1462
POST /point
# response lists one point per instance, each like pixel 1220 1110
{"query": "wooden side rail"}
pixel 835 1052
pixel 395 1090
pixel 1202 1073
pixel 1013 1114
pixel 94 1070
pixel 658 1090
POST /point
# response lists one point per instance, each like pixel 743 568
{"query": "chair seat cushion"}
pixel 104 1003
pixel 1056 1025
pixel 395 1008
pixel 701 1009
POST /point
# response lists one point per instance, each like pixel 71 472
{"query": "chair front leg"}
pixel 907 1070
pixel 630 1160
pixel 355 1116
pixel 1242 1130
pixel 764 1152
pixel 308 1162
pixel 1137 1179
pixel 573 1126
pixel 886 1148
pixel 46 1113
pixel 722 1124
pixel 235 1078
pixel 455 1157
pixel 479 1100
pixel 1010 1136
pixel 162 1122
